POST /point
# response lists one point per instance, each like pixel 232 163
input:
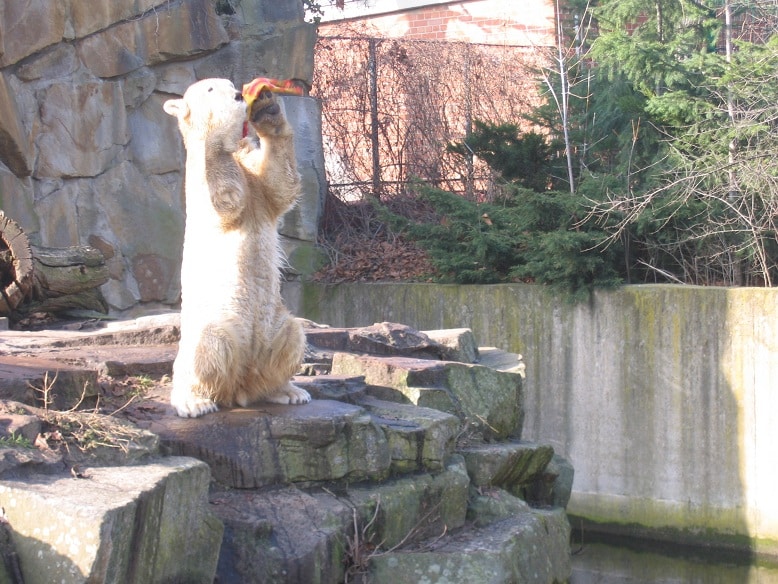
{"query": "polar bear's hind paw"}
pixel 194 407
pixel 289 394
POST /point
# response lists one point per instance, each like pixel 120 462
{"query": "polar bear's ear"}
pixel 177 108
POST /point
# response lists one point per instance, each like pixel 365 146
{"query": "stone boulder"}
pixel 132 524
pixel 512 466
pixel 494 554
pixel 490 402
pixel 272 444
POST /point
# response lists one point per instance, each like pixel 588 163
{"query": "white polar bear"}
pixel 238 344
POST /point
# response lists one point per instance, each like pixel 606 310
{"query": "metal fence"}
pixel 392 106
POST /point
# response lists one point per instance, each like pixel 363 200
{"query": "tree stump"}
pixel 45 279
pixel 15 265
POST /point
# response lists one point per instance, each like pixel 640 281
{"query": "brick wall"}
pixel 525 23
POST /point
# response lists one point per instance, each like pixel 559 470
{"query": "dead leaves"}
pixel 364 259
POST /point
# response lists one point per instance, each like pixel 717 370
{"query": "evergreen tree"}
pixel 709 219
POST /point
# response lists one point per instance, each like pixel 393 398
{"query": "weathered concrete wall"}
pixel 664 398
pixel 87 155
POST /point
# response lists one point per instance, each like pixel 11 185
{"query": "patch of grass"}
pixel 88 431
pixel 15 441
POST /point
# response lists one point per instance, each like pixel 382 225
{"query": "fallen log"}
pixel 46 279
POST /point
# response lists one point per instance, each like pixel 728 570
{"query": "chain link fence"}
pixel 391 107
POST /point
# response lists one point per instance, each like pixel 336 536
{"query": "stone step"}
pixel 130 524
pixel 411 508
pixel 489 401
pixel 527 470
pixel 500 360
pixel 525 548
pixel 270 444
pixel 30 380
pixel 282 536
pixel 460 344
pixel 383 338
pixel 419 438
pixel 287 535
pixel 512 466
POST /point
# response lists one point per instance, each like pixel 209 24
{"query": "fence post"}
pixel 373 80
pixel 469 155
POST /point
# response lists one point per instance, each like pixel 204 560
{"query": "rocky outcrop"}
pixel 124 524
pixel 362 484
pixel 87 155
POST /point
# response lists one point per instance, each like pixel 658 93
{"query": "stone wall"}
pixel 87 155
pixel 662 397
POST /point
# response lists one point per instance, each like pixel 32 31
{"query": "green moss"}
pixel 701 538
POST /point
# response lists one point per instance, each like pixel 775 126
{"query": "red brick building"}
pixel 501 22
pixel 400 80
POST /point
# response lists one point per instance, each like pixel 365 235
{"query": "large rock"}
pixel 419 438
pixel 460 344
pixel 529 548
pixel 510 465
pixel 190 27
pixel 15 149
pixel 283 536
pixel 490 402
pixel 83 128
pixel 29 27
pixel 411 509
pixel 135 524
pixel 272 444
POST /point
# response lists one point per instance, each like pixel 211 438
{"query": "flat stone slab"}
pixel 25 379
pixel 269 444
pixel 156 330
pixel 500 360
pixel 131 524
pixel 529 548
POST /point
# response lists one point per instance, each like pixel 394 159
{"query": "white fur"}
pixel 239 344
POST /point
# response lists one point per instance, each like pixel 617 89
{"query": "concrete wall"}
pixel 665 398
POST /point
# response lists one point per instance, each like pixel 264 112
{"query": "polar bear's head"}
pixel 212 111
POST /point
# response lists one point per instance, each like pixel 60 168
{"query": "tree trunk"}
pixel 45 279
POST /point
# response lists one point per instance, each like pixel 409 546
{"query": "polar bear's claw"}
pixel 289 394
pixel 194 407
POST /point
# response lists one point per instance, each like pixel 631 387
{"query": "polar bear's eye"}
pixel 210 89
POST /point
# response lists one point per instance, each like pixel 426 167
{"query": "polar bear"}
pixel 239 344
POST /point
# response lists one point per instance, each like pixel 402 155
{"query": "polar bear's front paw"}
pixel 266 113
pixel 192 406
pixel 289 394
